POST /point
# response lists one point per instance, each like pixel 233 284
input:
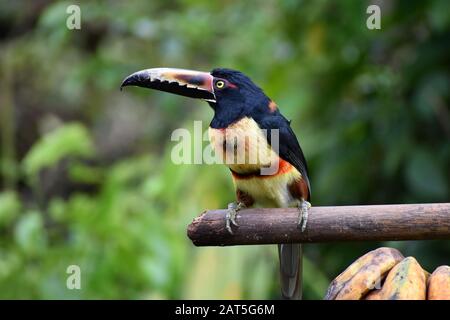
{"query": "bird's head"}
pixel 230 93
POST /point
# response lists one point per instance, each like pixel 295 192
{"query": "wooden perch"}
pixel 325 224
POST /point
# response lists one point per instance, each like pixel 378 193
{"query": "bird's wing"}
pixel 288 148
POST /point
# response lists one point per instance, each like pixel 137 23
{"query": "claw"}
pixel 230 218
pixel 303 206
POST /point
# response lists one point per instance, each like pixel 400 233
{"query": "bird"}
pixel 247 122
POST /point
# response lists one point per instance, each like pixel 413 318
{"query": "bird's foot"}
pixel 230 218
pixel 303 207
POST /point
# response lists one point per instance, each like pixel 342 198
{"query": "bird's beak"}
pixel 188 83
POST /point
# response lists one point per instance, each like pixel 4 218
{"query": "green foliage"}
pixel 29 234
pixel 98 189
pixel 10 207
pixel 70 140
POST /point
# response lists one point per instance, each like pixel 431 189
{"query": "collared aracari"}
pixel 242 109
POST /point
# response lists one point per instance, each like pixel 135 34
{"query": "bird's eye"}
pixel 220 84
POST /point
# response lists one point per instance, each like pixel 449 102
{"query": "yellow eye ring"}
pixel 220 84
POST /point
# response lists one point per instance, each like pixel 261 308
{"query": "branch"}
pixel 325 224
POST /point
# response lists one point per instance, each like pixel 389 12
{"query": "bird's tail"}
pixel 290 256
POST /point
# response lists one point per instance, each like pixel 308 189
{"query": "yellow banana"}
pixel 406 281
pixel 373 295
pixel 439 284
pixel 363 275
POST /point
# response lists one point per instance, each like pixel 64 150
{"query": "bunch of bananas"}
pixel 384 274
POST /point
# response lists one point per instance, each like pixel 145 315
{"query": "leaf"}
pixel 30 234
pixel 70 140
pixel 9 207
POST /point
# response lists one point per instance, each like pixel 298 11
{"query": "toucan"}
pixel 247 121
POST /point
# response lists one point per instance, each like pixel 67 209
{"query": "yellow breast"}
pixel 242 146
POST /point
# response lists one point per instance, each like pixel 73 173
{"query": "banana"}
pixel 337 284
pixel 406 281
pixel 363 275
pixel 439 284
pixel 373 295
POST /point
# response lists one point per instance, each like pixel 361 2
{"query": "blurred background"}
pixel 86 176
